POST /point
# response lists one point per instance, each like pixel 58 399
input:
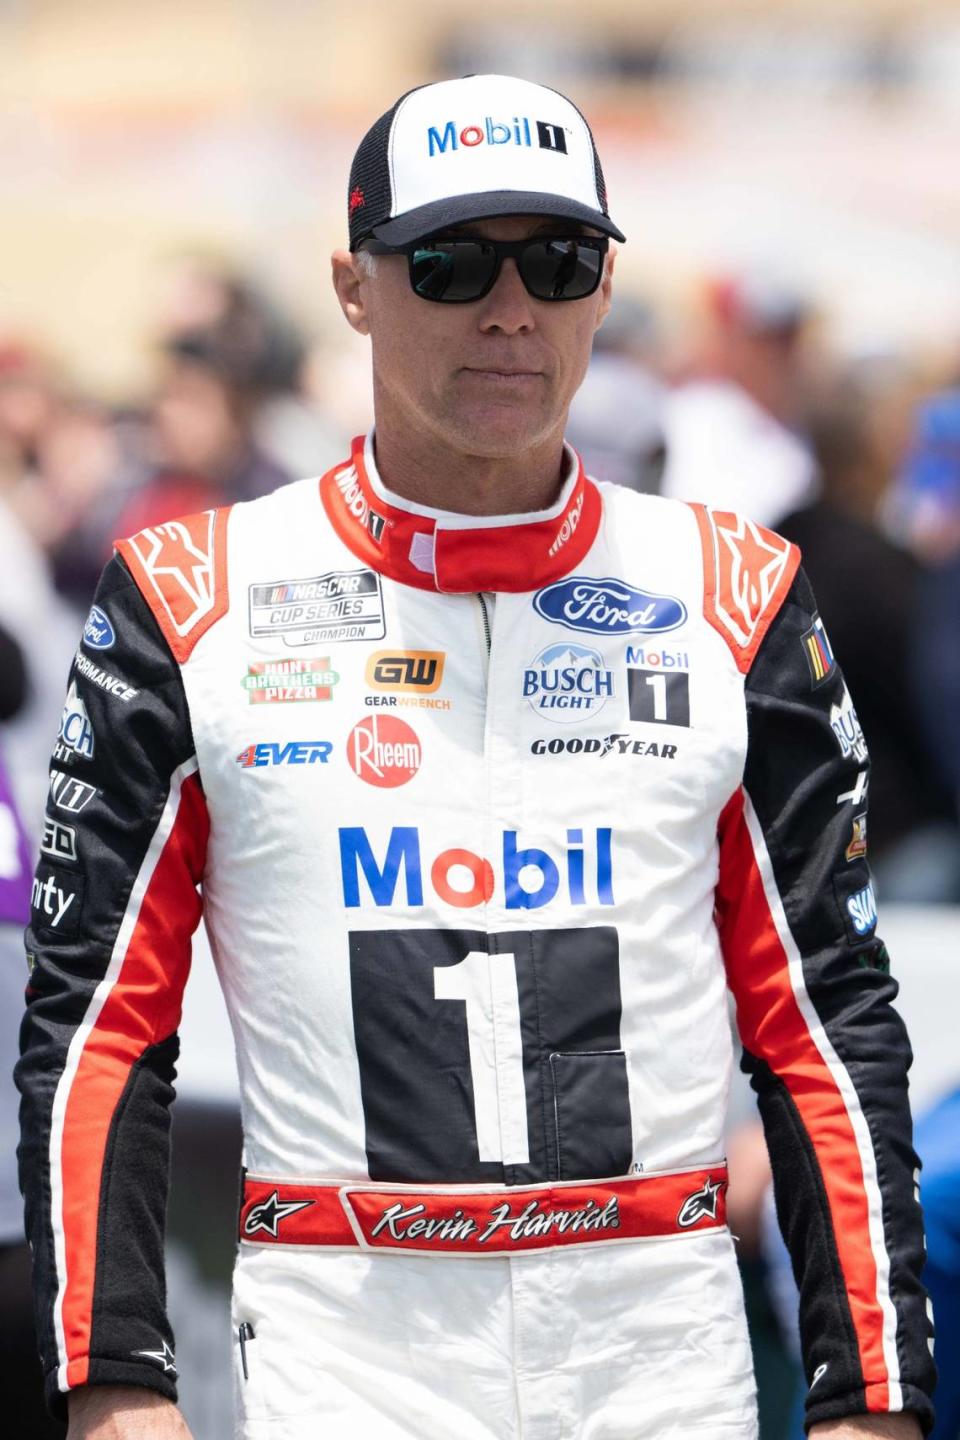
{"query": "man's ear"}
pixel 348 281
pixel 606 286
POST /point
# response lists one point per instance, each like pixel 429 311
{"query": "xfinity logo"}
pixel 518 131
pixel 56 899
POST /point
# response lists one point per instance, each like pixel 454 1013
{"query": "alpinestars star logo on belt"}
pixel 164 1357
pixel 702 1203
pixel 268 1214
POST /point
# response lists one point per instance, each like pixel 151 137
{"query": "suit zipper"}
pixel 485 620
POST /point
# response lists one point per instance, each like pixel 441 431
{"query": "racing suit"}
pixel 487 815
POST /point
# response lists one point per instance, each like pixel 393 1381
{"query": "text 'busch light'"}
pixel 530 877
pixel 608 607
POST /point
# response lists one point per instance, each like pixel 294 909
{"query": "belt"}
pixel 481 1220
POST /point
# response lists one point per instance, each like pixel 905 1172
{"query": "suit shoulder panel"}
pixel 180 568
pixel 747 574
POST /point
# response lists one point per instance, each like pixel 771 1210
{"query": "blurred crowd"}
pixel 743 405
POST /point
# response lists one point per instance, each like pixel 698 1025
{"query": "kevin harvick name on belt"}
pixel 406 1222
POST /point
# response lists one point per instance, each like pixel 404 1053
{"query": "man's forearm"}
pixel 123 1412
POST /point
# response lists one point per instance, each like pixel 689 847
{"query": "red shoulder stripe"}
pixel 181 569
pixel 747 571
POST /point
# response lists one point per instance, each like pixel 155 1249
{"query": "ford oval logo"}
pixel 98 632
pixel 608 607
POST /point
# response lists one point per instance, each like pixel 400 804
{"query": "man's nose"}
pixel 508 307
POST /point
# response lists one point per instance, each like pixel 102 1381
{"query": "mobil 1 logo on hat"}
pixel 490 133
pixel 519 130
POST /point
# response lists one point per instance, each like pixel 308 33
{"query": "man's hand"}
pixel 884 1427
pixel 123 1412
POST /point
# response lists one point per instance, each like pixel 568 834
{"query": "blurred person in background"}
pixel 202 294
pixel 732 425
pixel 925 505
pixel 875 602
pixel 463 520
pixel 25 1415
pixel 616 418
pixel 193 447
pixel 40 625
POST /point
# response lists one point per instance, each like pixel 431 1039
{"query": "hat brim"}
pixel 489 205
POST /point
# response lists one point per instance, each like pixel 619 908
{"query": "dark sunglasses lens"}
pixel 561 269
pixel 452 271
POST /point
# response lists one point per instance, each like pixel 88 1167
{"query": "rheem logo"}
pixel 384 751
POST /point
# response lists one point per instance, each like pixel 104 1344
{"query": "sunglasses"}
pixel 457 272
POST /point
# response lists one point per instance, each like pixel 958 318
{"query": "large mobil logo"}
pixel 528 876
pixel 608 607
pixel 518 130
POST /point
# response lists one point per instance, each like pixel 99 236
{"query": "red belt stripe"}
pixel 474 1220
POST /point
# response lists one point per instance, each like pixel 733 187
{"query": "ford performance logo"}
pixel 608 607
pixel 98 632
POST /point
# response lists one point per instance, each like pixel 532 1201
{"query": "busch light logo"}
pixel 516 131
pixel 567 682
pixel 76 732
pixel 862 909
pixel 98 632
pixel 846 727
pixel 608 607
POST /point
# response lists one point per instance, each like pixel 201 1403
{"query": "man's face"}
pixel 491 378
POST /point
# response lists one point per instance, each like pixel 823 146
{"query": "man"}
pixel 457 745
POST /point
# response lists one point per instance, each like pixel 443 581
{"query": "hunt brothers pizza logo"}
pixel 280 682
pixel 505 1224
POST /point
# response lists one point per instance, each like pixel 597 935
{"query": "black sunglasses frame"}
pixel 503 249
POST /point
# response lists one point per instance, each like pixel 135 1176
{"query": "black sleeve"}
pixel 827 1053
pixel 114 905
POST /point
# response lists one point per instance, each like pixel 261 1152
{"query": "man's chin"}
pixel 500 432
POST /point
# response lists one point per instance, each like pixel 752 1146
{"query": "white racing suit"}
pixel 486 815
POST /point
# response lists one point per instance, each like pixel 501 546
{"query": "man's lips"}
pixel 499 372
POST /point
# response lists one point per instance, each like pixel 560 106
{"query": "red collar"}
pixel 459 554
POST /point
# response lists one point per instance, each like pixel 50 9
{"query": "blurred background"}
pixel 785 340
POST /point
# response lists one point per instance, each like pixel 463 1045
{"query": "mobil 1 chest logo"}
pixel 339 605
pixel 658 685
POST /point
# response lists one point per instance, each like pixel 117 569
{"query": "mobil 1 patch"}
pixel 340 605
pixel 659 698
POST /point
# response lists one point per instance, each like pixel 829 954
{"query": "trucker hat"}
pixel 471 149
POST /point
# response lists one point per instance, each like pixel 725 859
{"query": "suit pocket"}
pixel 592 1105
